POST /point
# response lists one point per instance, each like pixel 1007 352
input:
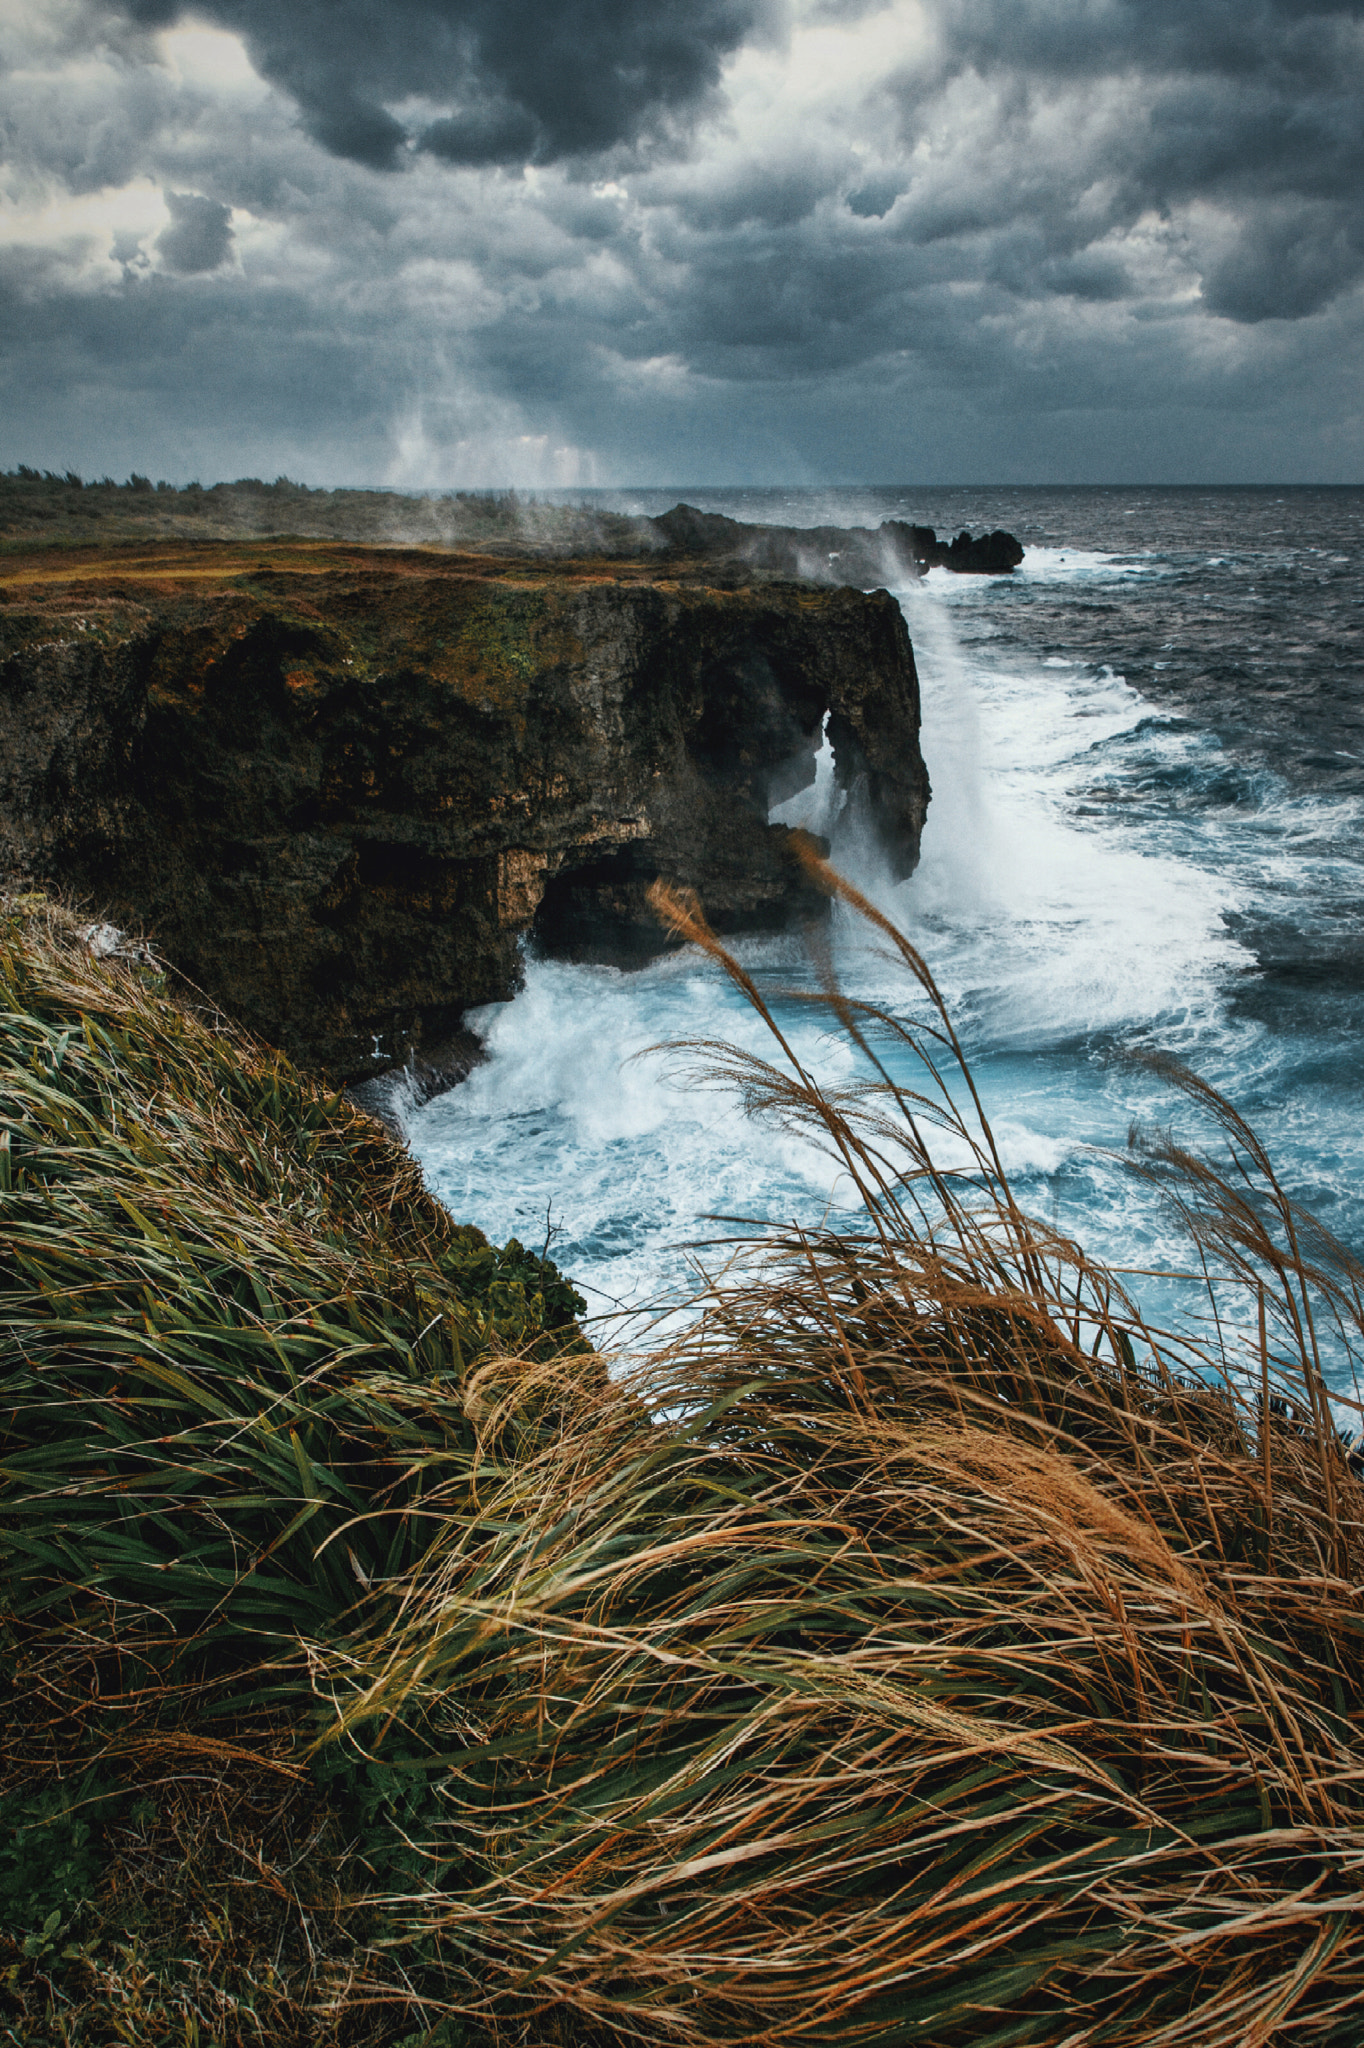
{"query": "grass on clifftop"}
pixel 918 1650
pixel 236 1334
pixel 41 509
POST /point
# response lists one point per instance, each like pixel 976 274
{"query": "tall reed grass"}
pixel 920 1648
pixel 236 1333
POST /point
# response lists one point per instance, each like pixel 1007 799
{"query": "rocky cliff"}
pixel 893 552
pixel 339 785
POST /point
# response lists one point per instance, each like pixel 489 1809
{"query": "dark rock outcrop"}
pixel 893 552
pixel 989 554
pixel 338 786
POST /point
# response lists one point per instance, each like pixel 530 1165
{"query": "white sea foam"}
pixel 581 1126
pixel 1039 925
pixel 1041 914
pixel 1068 565
pixel 1081 885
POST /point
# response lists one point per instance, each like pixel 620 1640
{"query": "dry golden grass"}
pixel 918 1649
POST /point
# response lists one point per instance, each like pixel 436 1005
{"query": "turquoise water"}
pixel 1147 830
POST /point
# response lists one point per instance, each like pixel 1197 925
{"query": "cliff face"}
pixel 338 785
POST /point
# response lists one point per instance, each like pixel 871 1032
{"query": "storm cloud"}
pixel 447 242
pixel 515 80
pixel 199 236
pixel 1251 108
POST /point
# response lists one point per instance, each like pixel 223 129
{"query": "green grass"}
pixel 239 1339
pixel 918 1649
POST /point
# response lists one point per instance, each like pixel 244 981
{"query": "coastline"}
pixel 380 1669
pixel 337 785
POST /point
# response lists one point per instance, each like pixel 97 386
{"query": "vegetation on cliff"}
pixel 918 1649
pixel 339 785
pixel 38 507
pixel 236 1330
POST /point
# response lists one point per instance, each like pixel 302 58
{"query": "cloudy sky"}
pixel 538 242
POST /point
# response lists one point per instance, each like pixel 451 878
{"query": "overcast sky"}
pixel 463 242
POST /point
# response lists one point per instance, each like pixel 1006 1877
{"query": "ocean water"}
pixel 1147 832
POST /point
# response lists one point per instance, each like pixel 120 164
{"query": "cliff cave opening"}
pixel 598 911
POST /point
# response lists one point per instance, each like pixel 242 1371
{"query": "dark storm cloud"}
pixel 874 200
pixel 1287 261
pixel 1300 41
pixel 772 196
pixel 1253 105
pixel 199 237
pixel 421 241
pixel 498 131
pixel 521 79
pixel 209 383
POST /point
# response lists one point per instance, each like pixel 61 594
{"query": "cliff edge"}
pixel 338 784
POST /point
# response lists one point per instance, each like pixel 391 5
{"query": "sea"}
pixel 1146 834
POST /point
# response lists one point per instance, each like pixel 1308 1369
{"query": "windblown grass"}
pixel 236 1334
pixel 918 1649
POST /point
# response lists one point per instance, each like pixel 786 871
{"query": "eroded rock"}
pixel 338 786
pixel 893 552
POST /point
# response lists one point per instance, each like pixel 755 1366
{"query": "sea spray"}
pixel 1112 862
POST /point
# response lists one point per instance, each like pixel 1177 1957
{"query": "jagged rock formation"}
pixel 893 552
pixel 339 785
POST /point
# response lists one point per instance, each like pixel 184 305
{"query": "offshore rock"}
pixel 893 552
pixel 339 786
pixel 989 554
